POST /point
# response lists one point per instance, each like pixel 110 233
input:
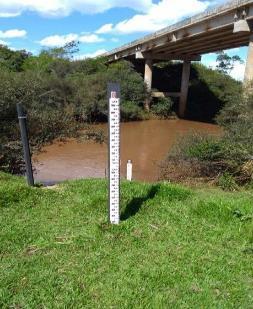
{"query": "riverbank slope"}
pixel 174 247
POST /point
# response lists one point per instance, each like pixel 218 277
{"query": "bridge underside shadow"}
pixel 203 104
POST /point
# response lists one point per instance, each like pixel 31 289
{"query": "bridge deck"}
pixel 203 33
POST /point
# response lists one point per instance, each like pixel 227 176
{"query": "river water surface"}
pixel 146 143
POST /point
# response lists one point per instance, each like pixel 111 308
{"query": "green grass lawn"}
pixel 175 247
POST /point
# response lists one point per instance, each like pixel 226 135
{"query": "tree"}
pixel 39 64
pixel 54 60
pixel 65 52
pixel 226 63
pixel 12 60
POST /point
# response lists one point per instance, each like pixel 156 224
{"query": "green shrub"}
pixel 89 93
pixel 49 115
pixel 202 147
pixel 194 156
pixel 230 154
pixel 133 87
pixel 162 108
pixel 12 60
pixel 130 111
pixel 236 118
pixel 227 182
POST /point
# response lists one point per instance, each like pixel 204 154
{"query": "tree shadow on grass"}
pixel 136 203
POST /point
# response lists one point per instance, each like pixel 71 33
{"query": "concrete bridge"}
pixel 227 26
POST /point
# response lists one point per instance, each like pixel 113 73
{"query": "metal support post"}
pixel 22 118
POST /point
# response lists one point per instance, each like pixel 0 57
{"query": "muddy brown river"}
pixel 146 143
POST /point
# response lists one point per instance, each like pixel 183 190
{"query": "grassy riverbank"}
pixel 175 247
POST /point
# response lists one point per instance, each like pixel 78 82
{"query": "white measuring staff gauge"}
pixel 114 158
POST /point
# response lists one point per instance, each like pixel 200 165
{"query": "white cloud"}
pixel 8 15
pixel 237 72
pixel 58 40
pixel 66 7
pixel 91 55
pixel 3 43
pixel 90 38
pixel 13 33
pixel 61 40
pixel 105 29
pixel 158 15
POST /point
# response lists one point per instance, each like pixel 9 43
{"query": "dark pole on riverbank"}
pixel 22 117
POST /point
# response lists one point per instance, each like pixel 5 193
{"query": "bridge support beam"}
pixel 148 79
pixel 248 75
pixel 184 88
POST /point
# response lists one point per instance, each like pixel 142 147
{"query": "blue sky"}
pixel 99 25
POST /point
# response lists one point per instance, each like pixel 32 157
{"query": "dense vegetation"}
pixel 227 159
pixel 175 247
pixel 62 96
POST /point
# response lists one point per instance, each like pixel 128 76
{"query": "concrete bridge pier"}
pixel 148 73
pixel 148 79
pixel 248 75
pixel 184 88
pixel 183 95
